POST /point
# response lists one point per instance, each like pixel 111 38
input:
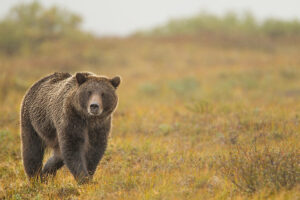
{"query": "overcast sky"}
pixel 122 17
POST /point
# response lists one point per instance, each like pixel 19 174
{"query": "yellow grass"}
pixel 183 103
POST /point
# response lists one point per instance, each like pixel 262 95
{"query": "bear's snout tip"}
pixel 94 106
pixel 95 109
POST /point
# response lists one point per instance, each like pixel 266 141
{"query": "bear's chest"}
pixel 97 132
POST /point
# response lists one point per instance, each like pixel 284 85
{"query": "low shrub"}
pixel 252 169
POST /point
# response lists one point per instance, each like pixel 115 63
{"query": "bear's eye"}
pixel 102 94
pixel 89 93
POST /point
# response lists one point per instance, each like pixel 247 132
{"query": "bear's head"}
pixel 96 95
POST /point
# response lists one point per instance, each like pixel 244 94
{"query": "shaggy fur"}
pixel 55 114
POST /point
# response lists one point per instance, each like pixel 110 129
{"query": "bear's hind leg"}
pixel 52 165
pixel 32 151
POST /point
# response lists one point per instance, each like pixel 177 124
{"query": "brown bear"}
pixel 72 115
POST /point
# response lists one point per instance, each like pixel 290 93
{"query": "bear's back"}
pixel 45 89
pixel 59 76
pixel 50 79
pixel 43 102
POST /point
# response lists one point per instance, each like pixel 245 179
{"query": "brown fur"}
pixel 55 114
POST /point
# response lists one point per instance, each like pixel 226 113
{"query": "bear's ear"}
pixel 115 81
pixel 81 78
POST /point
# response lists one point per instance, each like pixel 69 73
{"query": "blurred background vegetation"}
pixel 209 105
pixel 27 26
pixel 229 24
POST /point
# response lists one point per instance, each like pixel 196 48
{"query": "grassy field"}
pixel 208 106
pixel 194 121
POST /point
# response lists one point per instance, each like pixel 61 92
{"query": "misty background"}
pixel 122 18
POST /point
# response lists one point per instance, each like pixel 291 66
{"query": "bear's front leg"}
pixel 71 142
pixel 94 155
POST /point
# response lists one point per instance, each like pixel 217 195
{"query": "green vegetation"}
pixel 229 24
pixel 196 119
pixel 27 26
pixel 251 170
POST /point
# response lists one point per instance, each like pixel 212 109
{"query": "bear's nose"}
pixel 94 107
